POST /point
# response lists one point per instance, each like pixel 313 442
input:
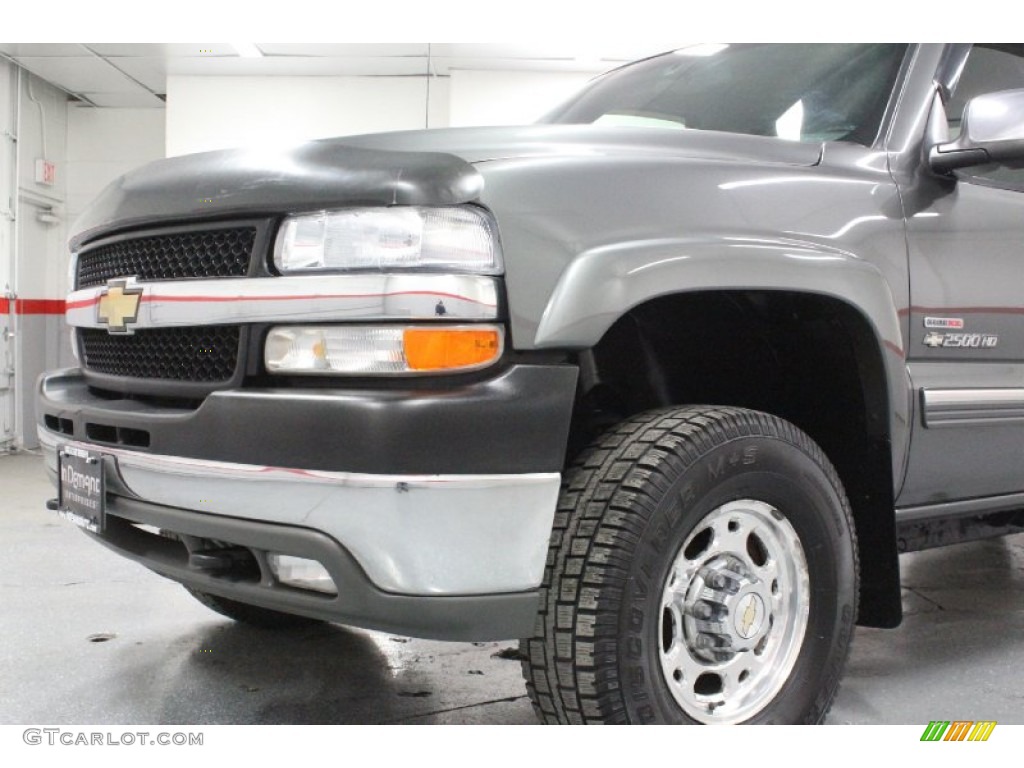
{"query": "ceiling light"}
pixel 247 50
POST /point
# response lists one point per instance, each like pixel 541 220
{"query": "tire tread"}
pixel 570 664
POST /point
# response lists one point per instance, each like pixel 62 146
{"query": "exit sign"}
pixel 46 172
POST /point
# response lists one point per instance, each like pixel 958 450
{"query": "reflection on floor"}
pixel 87 637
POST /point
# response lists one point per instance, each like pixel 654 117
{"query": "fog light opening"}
pixel 301 573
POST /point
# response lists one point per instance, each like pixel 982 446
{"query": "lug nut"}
pixel 706 640
pixel 701 610
pixel 721 581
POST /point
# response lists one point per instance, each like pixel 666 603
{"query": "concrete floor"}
pixel 87 637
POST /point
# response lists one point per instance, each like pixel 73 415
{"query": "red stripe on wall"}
pixel 33 306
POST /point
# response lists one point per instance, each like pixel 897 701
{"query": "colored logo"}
pixel 119 305
pixel 958 730
pixel 956 323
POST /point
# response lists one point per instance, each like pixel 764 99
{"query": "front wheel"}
pixel 703 569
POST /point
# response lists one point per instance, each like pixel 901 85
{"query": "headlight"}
pixel 453 239
pixel 367 350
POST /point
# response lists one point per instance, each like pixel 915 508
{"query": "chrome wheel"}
pixel 735 606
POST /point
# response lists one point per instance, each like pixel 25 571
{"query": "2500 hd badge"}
pixel 656 385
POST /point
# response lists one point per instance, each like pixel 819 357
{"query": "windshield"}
pixel 802 92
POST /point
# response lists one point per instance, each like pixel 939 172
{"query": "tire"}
pixel 253 615
pixel 702 569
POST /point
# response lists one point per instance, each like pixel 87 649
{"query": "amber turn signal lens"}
pixel 427 349
pixel 381 350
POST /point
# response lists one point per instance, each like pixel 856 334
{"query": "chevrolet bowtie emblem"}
pixel 748 617
pixel 119 305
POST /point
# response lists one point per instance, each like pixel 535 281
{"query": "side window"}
pixel 989 67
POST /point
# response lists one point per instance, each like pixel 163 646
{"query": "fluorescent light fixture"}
pixel 247 50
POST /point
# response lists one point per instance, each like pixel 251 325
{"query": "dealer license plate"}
pixel 80 487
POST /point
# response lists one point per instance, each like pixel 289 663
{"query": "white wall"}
pixel 41 252
pixel 206 113
pixel 42 134
pixel 105 143
pixel 8 206
pixel 509 98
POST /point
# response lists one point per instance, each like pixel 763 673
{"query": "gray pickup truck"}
pixel 662 384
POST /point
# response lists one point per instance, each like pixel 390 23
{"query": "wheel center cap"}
pixel 748 616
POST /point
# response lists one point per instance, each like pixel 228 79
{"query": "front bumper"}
pixel 514 422
pixel 439 552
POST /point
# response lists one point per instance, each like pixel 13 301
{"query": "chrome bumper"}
pixel 437 535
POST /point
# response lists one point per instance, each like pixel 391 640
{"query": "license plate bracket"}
pixel 80 488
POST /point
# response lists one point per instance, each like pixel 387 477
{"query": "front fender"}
pixel 604 283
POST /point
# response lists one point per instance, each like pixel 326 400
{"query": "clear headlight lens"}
pixel 453 239
pixel 361 350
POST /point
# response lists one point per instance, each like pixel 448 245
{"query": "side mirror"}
pixel 992 131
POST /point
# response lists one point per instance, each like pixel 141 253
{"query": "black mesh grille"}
pixel 202 354
pixel 173 256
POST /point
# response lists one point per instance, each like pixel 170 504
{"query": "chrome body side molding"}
pixel 968 407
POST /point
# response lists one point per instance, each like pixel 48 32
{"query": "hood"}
pixel 254 182
pixel 477 145
pixel 434 167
